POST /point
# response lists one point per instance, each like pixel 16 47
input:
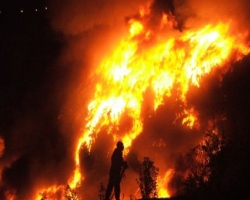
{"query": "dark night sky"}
pixel 28 50
pixel 29 103
pixel 32 95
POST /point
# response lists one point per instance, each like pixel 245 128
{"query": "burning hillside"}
pixel 155 85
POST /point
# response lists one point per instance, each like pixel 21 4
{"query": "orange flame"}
pixel 181 61
pixel 162 64
pixel 167 64
pixel 163 182
pixel 190 118
pixel 53 193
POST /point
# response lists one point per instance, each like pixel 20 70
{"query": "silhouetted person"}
pixel 117 164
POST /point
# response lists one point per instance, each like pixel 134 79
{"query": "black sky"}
pixel 29 103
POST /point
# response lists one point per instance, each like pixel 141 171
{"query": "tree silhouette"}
pixel 206 164
pixel 102 191
pixel 147 180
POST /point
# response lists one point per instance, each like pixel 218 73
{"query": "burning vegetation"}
pixel 155 89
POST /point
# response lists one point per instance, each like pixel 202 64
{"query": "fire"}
pixel 191 118
pixel 135 28
pixel 159 63
pixel 163 182
pixel 74 182
pixel 54 192
pixel 172 63
pixel 167 64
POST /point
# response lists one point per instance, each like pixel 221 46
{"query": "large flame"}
pixel 176 62
pixel 165 63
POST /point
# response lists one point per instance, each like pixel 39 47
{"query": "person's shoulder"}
pixel 117 151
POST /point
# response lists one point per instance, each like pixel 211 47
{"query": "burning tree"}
pixel 148 179
pixel 206 164
pixel 70 194
pixel 152 57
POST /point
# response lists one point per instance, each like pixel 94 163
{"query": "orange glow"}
pixel 164 65
pixel 163 182
pixel 167 64
pixel 10 195
pixel 144 10
pixel 53 193
pixel 76 180
pixel 182 61
pixel 135 28
pixel 190 119
pixel 2 147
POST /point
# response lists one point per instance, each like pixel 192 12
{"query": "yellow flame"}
pixel 166 64
pixel 160 64
pixel 52 193
pixel 173 62
pixel 190 118
pixel 163 183
pixel 127 74
pixel 135 28
pixel 76 179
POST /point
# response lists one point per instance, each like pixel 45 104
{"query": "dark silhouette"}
pixel 118 165
pixel 147 180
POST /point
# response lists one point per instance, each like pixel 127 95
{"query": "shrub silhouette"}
pixel 206 164
pixel 147 180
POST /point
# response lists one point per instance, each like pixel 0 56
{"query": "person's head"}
pixel 120 145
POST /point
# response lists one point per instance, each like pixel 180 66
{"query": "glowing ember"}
pixel 2 147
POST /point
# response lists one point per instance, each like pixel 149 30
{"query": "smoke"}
pixel 193 13
pixel 75 17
